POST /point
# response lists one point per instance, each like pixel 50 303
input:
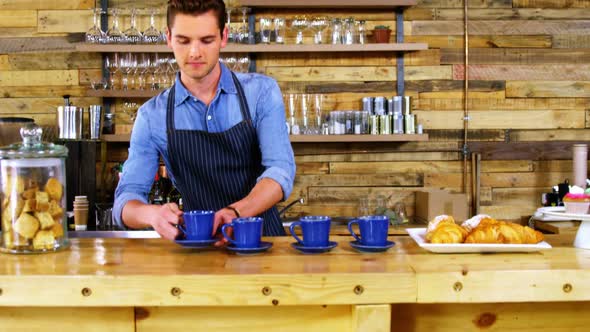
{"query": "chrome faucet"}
pixel 300 200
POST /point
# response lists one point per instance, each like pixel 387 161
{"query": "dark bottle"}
pixel 156 196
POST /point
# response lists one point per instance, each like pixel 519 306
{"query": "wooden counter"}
pixel 149 285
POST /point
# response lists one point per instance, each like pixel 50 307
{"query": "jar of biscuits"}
pixel 33 195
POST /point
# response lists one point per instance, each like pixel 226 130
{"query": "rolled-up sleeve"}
pixel 140 167
pixel 271 126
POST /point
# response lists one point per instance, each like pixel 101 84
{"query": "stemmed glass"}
pixel 130 109
pixel 143 64
pixel 244 33
pixel 316 108
pixel 318 25
pixel 292 101
pixel 95 35
pixel 114 34
pixel 244 63
pixel 151 35
pixel 230 30
pixel 132 35
pixel 127 63
pixel 112 65
pixel 299 24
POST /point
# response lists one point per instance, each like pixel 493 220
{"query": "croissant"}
pixel 485 234
pixel 524 234
pixel 435 223
pixel 448 233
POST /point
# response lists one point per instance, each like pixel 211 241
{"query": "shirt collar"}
pixel 226 84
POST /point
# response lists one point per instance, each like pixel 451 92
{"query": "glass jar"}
pixel 33 195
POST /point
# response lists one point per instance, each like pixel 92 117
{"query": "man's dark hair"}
pixel 196 7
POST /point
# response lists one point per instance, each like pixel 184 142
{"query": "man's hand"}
pixel 223 216
pixel 164 218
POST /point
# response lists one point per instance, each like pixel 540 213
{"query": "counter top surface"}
pixel 148 270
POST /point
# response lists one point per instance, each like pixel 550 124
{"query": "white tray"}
pixel 559 211
pixel 418 234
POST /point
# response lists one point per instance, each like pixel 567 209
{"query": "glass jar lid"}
pixel 32 147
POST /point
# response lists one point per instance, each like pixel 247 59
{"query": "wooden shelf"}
pixel 317 138
pixel 328 3
pixel 261 48
pixel 122 93
pixel 357 138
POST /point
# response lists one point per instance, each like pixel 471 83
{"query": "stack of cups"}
pixel 80 213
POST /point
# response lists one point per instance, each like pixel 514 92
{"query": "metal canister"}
pixel 397 105
pixel 407 105
pixel 385 124
pixel 373 125
pixel 379 107
pixel 368 104
pixel 398 123
pixel 410 121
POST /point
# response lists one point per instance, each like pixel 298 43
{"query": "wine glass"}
pixel 130 109
pixel 230 31
pixel 318 25
pixel 114 34
pixel 127 63
pixel 151 35
pixel 132 35
pixel 112 65
pixel 143 64
pixel 95 35
pixel 299 24
pixel 244 32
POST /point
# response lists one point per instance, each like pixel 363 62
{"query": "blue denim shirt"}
pixel 149 141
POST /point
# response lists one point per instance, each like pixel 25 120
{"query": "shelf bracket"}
pixel 399 38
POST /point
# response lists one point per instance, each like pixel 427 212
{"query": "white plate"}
pixel 418 234
pixel 559 211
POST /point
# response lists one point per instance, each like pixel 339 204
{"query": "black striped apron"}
pixel 213 170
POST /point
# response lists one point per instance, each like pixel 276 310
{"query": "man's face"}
pixel 196 41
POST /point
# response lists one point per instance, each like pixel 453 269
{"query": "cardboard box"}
pixel 432 203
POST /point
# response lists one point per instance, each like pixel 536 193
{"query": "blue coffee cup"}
pixel 315 231
pixel 373 230
pixel 198 225
pixel 247 232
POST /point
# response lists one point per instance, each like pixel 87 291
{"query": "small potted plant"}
pixel 381 33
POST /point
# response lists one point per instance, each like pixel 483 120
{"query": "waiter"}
pixel 222 135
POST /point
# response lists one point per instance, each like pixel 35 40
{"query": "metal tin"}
pixel 379 106
pixel 374 125
pixel 398 123
pixel 407 105
pixel 397 105
pixel 409 121
pixel 385 125
pixel 368 104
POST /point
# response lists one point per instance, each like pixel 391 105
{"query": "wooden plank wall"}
pixel 529 78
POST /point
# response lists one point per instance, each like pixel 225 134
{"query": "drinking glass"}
pixel 299 24
pixel 305 110
pixel 265 30
pixel 95 35
pixel 143 64
pixel 127 62
pixel 244 32
pixel 336 31
pixel 318 117
pixel 152 79
pixel 279 28
pixel 244 63
pixel 130 109
pixel 112 65
pixel 292 100
pixel 151 35
pixel 362 32
pixel 114 34
pixel 318 25
pixel 132 35
pixel 230 31
pixel 349 31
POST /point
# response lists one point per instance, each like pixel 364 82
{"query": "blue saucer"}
pixel 364 248
pixel 264 246
pixel 196 243
pixel 313 250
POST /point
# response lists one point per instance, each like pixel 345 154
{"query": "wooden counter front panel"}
pixel 521 317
